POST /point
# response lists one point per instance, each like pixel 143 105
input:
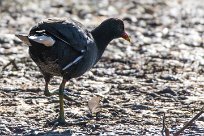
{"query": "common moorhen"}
pixel 63 47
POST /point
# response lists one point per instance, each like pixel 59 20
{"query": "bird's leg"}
pixel 61 119
pixel 61 96
pixel 47 80
pixel 47 92
pixel 56 92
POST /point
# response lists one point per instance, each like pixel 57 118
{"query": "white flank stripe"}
pixel 73 62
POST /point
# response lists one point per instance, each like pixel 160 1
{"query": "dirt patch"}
pixel 161 71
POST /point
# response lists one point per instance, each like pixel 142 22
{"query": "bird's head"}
pixel 116 27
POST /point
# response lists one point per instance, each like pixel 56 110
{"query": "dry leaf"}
pixel 94 104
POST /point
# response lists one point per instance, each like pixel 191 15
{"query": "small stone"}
pixel 167 90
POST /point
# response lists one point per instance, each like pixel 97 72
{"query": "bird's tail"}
pixel 42 39
pixel 23 38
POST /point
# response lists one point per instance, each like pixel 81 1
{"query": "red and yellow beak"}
pixel 125 36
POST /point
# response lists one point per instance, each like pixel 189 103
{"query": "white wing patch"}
pixel 45 40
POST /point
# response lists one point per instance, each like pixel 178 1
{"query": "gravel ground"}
pixel 161 71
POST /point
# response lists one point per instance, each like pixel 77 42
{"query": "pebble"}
pixel 167 90
pixel 4 130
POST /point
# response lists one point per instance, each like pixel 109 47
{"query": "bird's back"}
pixel 74 50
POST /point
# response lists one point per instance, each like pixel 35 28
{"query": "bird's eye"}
pixel 121 28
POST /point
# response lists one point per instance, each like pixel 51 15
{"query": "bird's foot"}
pixel 56 92
pixel 52 92
pixel 67 97
pixel 57 122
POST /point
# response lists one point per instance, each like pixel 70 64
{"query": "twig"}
pixel 6 66
pixel 189 123
pixel 11 62
pixel 163 124
pixel 165 129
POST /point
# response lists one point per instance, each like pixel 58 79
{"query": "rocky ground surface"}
pixel 161 71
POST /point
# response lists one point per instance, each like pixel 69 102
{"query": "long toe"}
pixel 52 92
pixel 57 122
pixel 47 93
pixel 56 92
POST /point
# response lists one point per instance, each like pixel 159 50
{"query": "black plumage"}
pixel 63 47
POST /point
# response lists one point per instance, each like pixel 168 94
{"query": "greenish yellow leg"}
pixel 56 92
pixel 47 92
pixel 61 118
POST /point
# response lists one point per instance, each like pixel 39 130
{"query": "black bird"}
pixel 63 47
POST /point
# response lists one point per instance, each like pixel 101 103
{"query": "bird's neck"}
pixel 102 38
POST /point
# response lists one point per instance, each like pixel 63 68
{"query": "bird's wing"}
pixel 65 30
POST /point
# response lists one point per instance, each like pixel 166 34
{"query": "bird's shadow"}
pixel 50 133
